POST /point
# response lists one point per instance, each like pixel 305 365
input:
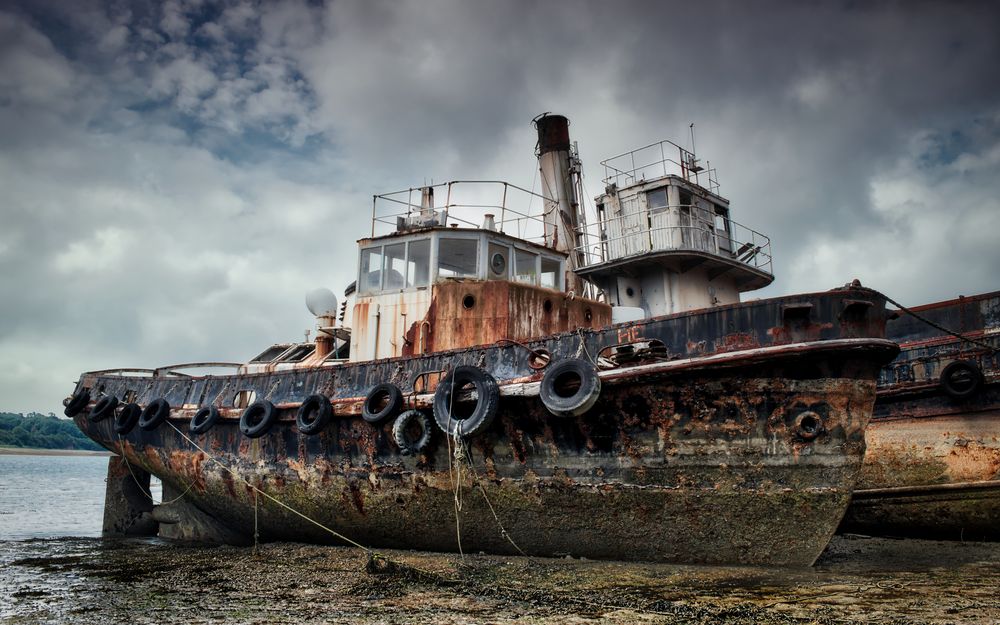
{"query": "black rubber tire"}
pixel 382 402
pixel 961 379
pixel 127 418
pixel 104 408
pixel 487 403
pixel 580 401
pixel 258 418
pixel 314 414
pixel 203 420
pixel 77 403
pixel 400 426
pixel 155 413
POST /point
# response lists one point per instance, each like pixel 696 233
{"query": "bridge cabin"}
pixel 663 243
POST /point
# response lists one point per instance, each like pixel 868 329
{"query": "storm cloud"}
pixel 176 175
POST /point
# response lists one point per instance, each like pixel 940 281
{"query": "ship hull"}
pixel 743 450
pixel 932 468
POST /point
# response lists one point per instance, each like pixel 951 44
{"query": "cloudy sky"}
pixel 175 175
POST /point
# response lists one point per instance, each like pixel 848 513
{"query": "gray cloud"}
pixel 176 176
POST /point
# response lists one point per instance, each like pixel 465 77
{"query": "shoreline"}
pixel 31 451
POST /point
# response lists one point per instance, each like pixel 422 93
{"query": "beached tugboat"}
pixel 523 382
pixel 933 463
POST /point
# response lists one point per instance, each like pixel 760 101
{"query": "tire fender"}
pixel 487 402
pixel 961 379
pixel 401 435
pixel 203 420
pixel 258 418
pixel 104 408
pixel 313 415
pixel 155 413
pixel 127 418
pixel 382 402
pixel 570 387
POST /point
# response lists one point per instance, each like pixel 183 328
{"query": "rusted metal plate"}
pixel 933 461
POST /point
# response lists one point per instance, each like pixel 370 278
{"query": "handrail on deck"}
pixel 733 241
pixel 170 370
pixel 512 206
pixel 621 170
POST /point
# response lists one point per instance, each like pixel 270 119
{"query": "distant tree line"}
pixel 42 432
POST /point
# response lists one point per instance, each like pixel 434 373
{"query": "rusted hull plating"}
pixel 742 448
pixel 933 463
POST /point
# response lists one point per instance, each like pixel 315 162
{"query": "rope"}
pixel 455 475
pixel 503 531
pixel 143 489
pixel 256 531
pixel 533 352
pixel 256 490
pixel 583 346
pixel 936 326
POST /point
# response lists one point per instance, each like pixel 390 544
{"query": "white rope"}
pixel 455 475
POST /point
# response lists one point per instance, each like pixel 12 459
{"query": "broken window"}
pixel 551 273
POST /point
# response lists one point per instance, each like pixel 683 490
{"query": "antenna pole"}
pixel 693 151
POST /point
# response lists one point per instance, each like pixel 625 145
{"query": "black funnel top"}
pixel 553 133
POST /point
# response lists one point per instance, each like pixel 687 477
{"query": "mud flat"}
pixel 857 580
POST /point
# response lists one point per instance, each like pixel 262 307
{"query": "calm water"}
pixel 51 496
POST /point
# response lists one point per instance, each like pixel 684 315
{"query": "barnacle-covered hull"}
pixel 731 435
pixel 933 463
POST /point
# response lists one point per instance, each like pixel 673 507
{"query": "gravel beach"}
pixel 857 580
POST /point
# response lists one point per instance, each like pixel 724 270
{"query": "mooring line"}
pixel 121 446
pixel 478 482
pixel 275 500
pixel 936 326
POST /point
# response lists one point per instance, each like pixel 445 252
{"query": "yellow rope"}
pixel 280 503
pixel 143 489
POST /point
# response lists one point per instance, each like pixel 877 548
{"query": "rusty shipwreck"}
pixel 507 379
pixel 933 463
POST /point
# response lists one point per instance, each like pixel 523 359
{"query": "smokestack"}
pixel 427 202
pixel 561 203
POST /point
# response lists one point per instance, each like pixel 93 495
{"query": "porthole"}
pixel 587 315
pixel 547 305
pixel 468 301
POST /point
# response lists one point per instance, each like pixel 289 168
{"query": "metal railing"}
pixel 623 236
pixel 516 210
pixel 651 161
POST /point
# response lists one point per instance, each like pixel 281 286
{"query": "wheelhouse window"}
pixel 657 198
pixel 418 267
pixel 551 273
pixel 458 258
pixel 525 267
pixel 370 280
pixel 395 266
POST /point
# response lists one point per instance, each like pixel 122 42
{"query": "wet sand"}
pixel 857 580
